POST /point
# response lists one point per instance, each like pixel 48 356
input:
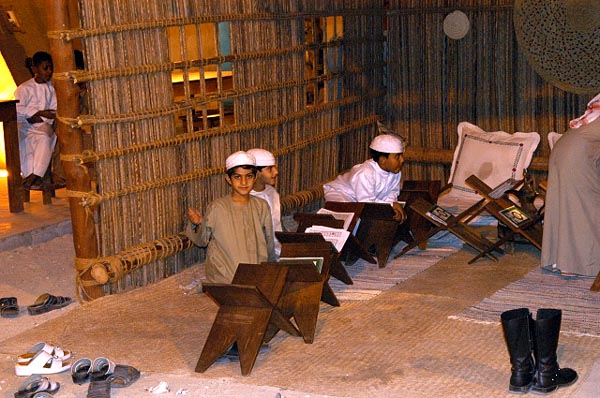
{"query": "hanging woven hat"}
pixel 561 40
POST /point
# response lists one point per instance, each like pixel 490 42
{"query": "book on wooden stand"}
pixel 316 261
pixel 346 217
pixel 337 236
pixel 515 216
pixel 439 214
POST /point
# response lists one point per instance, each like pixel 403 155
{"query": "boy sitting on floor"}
pixel 237 228
pixel 266 178
pixel 377 180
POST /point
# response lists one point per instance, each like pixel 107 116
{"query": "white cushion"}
pixel 491 156
pixel 552 138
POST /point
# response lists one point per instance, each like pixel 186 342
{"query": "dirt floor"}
pixel 399 344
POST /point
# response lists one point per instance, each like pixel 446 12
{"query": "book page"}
pixel 336 236
pixel 501 189
pixel 317 261
pixel 346 217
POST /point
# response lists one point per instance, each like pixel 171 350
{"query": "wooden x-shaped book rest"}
pixel 377 229
pixel 310 245
pixel 448 222
pixel 508 213
pixel 247 308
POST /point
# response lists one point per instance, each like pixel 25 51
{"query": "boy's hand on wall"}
pixel 195 216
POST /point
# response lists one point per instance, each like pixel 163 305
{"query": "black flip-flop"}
pixel 9 307
pixel 80 371
pixel 123 376
pixel 35 385
pixel 47 302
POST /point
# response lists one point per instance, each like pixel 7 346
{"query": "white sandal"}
pixel 42 363
pixel 50 349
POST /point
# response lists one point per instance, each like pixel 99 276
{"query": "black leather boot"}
pixel 549 376
pixel 516 326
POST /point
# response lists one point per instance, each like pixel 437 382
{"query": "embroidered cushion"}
pixel 491 156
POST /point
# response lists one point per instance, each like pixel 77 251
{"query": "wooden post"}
pixel 71 140
pixel 8 115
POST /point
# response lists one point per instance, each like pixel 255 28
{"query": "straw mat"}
pixel 580 306
pixel 400 343
pixel 370 280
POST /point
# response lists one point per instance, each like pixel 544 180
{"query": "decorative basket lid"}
pixel 561 41
pixel 456 25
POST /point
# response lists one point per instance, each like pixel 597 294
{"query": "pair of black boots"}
pixel 532 348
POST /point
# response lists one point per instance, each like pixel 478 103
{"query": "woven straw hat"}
pixel 561 40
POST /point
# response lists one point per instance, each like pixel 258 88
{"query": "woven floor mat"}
pixel 580 306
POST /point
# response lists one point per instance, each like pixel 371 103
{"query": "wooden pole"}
pixel 71 141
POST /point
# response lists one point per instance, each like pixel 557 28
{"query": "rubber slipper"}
pixel 47 302
pixel 50 349
pixel 36 384
pixel 80 371
pixel 101 369
pixel 123 376
pixel 42 363
pixel 9 308
pixel 99 389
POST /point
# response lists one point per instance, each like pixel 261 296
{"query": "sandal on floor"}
pixel 36 384
pixel 50 349
pixel 99 389
pixel 42 363
pixel 101 369
pixel 47 302
pixel 80 371
pixel 9 308
pixel 123 376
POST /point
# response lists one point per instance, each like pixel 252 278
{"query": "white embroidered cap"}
pixel 387 143
pixel 263 157
pixel 239 158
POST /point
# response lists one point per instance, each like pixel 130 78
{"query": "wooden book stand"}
pixel 508 213
pixel 416 226
pixel 297 244
pixel 306 220
pixel 455 226
pixel 301 296
pixel 246 311
pixel 377 228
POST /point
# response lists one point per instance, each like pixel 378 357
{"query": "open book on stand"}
pixel 344 216
pixel 317 261
pixel 515 216
pixel 439 214
pixel 337 236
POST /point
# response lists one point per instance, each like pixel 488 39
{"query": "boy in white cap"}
pixel 237 228
pixel 377 180
pixel 266 178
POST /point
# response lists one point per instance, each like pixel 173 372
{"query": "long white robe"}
pixel 271 196
pixel 571 237
pixel 235 233
pixel 365 182
pixel 37 140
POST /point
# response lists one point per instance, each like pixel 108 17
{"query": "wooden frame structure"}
pixel 136 130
